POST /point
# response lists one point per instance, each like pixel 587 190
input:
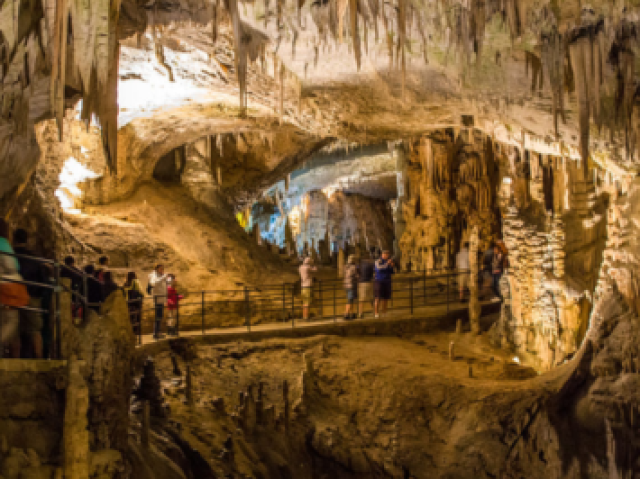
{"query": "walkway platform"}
pixel 424 319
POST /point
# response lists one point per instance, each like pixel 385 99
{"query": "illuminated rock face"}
pixel 449 181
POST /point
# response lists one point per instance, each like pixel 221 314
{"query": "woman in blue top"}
pixel 385 268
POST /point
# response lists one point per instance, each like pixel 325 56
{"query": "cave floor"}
pixel 382 398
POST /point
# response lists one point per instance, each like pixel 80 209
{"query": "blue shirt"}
pixel 384 270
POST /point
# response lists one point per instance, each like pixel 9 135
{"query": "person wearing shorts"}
pixel 462 265
pixel 384 270
pixel 365 286
pixel 306 277
pixel 351 274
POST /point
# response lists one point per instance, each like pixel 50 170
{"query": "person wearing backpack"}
pixel 159 290
pixel 173 300
pixel 31 321
pixel 134 297
pixel 9 316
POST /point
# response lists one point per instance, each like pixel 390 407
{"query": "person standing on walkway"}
pixel 384 270
pixel 307 271
pixel 93 294
pixel 159 290
pixel 134 297
pixel 31 322
pixel 497 267
pixel 462 265
pixel 351 275
pixel 173 300
pixel 9 317
pixel 103 267
pixel 365 286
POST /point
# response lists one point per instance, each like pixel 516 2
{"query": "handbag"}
pixel 14 295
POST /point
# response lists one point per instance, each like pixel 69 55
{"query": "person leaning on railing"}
pixel 31 322
pixel 9 317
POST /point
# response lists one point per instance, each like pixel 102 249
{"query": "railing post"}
pixel 202 312
pixel 85 297
pixel 177 330
pixel 411 295
pixel 424 287
pixel 447 295
pixel 335 318
pixel 247 308
pixel 56 314
pixel 284 301
pixel 293 305
pixel 320 297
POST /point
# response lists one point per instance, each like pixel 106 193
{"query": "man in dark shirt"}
pixel 31 322
pixel 75 276
pixel 365 286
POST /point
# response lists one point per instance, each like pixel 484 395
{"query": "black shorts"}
pixel 382 289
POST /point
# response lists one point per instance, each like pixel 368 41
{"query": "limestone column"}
pixel 398 219
pixel 474 305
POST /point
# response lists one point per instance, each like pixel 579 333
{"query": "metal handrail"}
pixel 412 290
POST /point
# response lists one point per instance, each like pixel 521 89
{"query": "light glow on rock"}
pixel 68 193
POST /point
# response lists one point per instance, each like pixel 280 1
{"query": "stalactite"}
pixel 355 37
pixel 279 13
pixel 58 73
pixel 533 62
pixel 552 56
pixel 422 29
pixel 375 12
pixel 282 71
pixel 478 16
pixel 581 49
pixel 214 23
pixel 240 57
pixel 402 38
pixel 622 58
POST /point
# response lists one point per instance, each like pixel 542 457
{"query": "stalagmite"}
pixel 75 440
pixel 341 263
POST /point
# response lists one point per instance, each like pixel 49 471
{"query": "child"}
pixel 173 299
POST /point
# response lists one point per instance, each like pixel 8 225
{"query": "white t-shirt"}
pixel 462 259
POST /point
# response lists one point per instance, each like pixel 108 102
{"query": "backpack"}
pixel 14 295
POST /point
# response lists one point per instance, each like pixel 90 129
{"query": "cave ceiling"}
pixel 553 77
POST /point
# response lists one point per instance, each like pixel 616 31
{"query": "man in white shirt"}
pixel 462 265
pixel 158 287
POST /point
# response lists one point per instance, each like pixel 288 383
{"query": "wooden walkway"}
pixel 281 329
